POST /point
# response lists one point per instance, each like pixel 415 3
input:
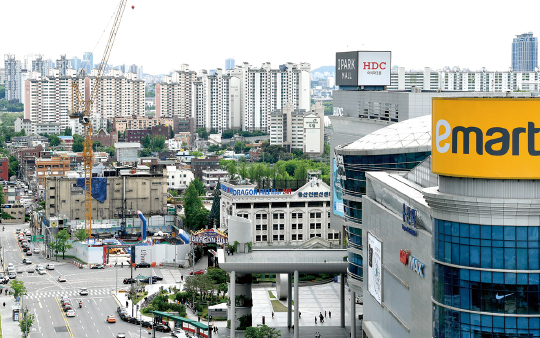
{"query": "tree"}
pixel 213 148
pixel 199 186
pixel 242 170
pixel 145 152
pixel 217 275
pixel 158 143
pixel 67 131
pixel 261 331
pixel 110 150
pixel 78 146
pixel 300 173
pixel 146 141
pixel 227 134
pixel 80 235
pixel 2 198
pixel 26 321
pixel 60 244
pixel 18 288
pixel 202 133
pixel 195 212
pixel 54 140
pixel 2 92
pixel 13 166
pixel 231 168
pixel 196 153
pixel 238 147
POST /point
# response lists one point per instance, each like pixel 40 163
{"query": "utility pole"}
pixel 132 293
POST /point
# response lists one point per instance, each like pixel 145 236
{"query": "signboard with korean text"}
pixel 375 268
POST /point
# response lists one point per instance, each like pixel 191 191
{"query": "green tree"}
pixel 231 168
pixel 158 143
pixel 194 210
pixel 26 321
pixel 18 288
pixel 261 331
pixel 13 166
pixel 80 234
pixel 54 140
pixel 227 134
pixel 217 275
pixel 145 152
pixel 60 243
pixel 238 147
pixel 146 141
pixel 2 198
pixel 213 148
pixel 242 170
pixel 196 153
pixel 2 92
pixel 78 146
pixel 67 131
pixel 199 186
pixel 110 150
pixel 202 133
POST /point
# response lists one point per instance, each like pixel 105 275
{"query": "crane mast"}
pixel 81 109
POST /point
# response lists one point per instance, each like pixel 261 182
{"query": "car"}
pixel 42 271
pixel 30 270
pixel 12 275
pixel 134 320
pixel 121 335
pixel 157 277
pixel 124 316
pixel 67 307
pixel 198 272
pixel 26 261
pixel 39 266
pixel 28 252
pixel 162 328
pixel 83 292
pixel 98 266
pixel 64 299
pixel 70 313
pixel 50 266
pixel 111 319
pixel 147 280
pixel 25 249
pixel 36 250
pixel 129 280
pixel 61 279
pixel 143 265
pixel 10 265
pixel 146 324
pixel 18 230
pixel 121 309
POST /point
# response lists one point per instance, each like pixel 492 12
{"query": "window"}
pixel 258 238
pixel 293 215
pixel 293 226
pixel 275 237
pixel 281 237
pixel 300 237
pixel 265 227
pixel 318 226
pixel 282 227
pixel 312 215
pixel 318 235
pixel 300 226
pixel 258 216
pixel 275 226
pixel 293 237
pixel 330 236
pixel 264 238
pixel 300 215
pixel 328 225
pixel 318 215
pixel 281 216
pixel 264 216
pixel 311 235
pixel 275 216
pixel 258 227
pixel 312 225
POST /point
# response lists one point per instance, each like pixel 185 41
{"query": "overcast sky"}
pixel 161 35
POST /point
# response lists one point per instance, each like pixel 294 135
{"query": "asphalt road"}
pixel 44 293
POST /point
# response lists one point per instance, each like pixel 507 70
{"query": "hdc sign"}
pixel 363 68
pixel 375 65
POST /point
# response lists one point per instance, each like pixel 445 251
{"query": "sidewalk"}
pixel 9 327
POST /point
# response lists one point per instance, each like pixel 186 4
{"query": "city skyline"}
pixel 376 29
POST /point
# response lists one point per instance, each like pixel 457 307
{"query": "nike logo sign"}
pixel 501 296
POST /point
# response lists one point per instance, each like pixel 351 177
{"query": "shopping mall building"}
pixel 447 242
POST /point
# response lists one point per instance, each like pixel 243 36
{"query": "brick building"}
pixel 136 135
pixel 105 138
pixel 200 164
pixel 4 168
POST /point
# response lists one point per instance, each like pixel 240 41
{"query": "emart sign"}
pixel 496 138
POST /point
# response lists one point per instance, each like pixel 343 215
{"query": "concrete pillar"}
pixel 342 298
pixel 289 299
pixel 232 297
pixel 353 314
pixel 296 305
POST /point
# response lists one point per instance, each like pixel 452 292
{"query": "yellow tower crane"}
pixel 81 109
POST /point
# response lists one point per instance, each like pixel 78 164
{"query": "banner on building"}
pixel 374 268
pixel 209 236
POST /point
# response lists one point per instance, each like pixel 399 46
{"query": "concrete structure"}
pixel 120 124
pixel 63 64
pixel 16 211
pixel 175 94
pixel 200 164
pixel 229 64
pixel 217 104
pixel 525 53
pixel 178 178
pixel 12 75
pixel 88 62
pixel 52 128
pixel 281 218
pixel 144 192
pixel 2 76
pixel 41 66
pixel 23 124
pixel 178 141
pixel 298 129
pixel 211 177
pixel 264 90
pixel 126 152
pixel 51 167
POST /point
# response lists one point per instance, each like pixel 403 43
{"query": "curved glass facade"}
pixel 500 290
pixel 355 167
pixel 356 266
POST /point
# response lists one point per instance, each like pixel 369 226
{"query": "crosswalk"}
pixel 171 276
pixel 69 293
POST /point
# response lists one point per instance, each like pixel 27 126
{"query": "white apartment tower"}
pixel 175 94
pixel 119 95
pixel 41 66
pixel 12 78
pixel 264 90
pixel 215 104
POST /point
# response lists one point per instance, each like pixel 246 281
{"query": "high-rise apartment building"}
pixel 2 76
pixel 229 64
pixel 12 77
pixel 215 104
pixel 88 62
pixel 264 90
pixel 63 64
pixel 76 63
pixel 174 95
pixel 41 66
pixel 524 53
pixel 118 95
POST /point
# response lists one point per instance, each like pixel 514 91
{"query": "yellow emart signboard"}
pixel 495 138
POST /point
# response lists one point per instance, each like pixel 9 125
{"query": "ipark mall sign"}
pixel 497 138
pixel 363 68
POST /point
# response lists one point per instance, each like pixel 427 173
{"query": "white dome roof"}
pixel 413 135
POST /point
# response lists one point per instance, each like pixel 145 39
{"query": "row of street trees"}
pixel 196 215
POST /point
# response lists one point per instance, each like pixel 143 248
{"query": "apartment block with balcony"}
pixel 51 167
pixel 175 94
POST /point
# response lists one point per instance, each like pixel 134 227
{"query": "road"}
pixel 44 292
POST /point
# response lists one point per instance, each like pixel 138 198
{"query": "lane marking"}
pixel 64 317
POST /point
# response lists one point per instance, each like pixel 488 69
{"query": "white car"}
pixel 36 250
pixel 70 313
pixel 50 266
pixel 83 292
pixel 42 271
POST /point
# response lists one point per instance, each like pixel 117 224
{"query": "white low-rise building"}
pixel 281 217
pixel 178 178
pixel 211 177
